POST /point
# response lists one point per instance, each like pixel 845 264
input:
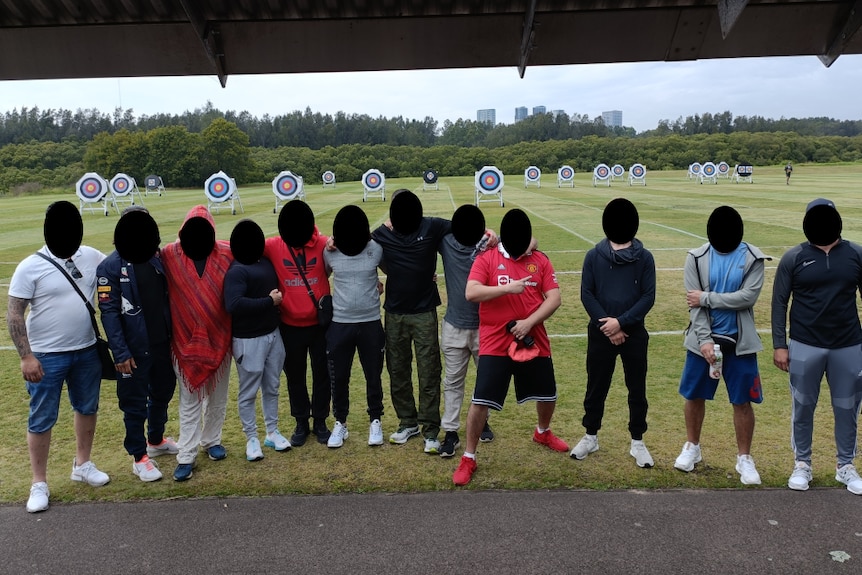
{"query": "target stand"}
pixel 489 185
pixel 92 191
pixel 602 173
pixel 566 177
pixel 429 180
pixel 532 175
pixel 637 175
pixel 153 184
pixel 123 190
pixel 694 171
pixel 743 173
pixel 373 184
pixel 723 170
pixel 617 172
pixel 709 173
pixel 221 189
pixel 328 179
pixel 287 186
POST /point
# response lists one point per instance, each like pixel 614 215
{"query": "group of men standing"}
pixel 186 310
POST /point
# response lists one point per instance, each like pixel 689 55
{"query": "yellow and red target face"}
pixel 533 173
pixel 328 177
pixel 91 188
pixel 723 167
pixel 709 169
pixel 121 185
pixel 637 171
pixel 372 181
pixel 618 170
pixel 218 188
pixel 567 173
pixel 602 172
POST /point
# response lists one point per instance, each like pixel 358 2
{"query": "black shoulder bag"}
pixel 324 305
pixel 109 370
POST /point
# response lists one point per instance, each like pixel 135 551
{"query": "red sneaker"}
pixel 465 471
pixel 550 440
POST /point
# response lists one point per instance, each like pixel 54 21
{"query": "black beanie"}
pixel 197 238
pixel 405 212
pixel 516 232
pixel 136 236
pixel 822 224
pixel 247 242
pixel 351 230
pixel 620 221
pixel 724 229
pixel 63 229
pixel 296 223
pixel 468 225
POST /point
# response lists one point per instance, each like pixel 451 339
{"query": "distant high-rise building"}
pixel 520 113
pixel 539 110
pixel 488 116
pixel 557 112
pixel 613 119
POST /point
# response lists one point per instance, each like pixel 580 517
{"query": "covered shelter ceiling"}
pixel 44 39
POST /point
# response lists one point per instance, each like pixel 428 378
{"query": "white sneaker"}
pixel 253 452
pixel 146 469
pixel 432 446
pixel 800 477
pixel 748 474
pixel 277 441
pixel 167 447
pixel 375 433
pixel 588 444
pixel 848 476
pixel 639 452
pixel 689 455
pixel 87 473
pixel 403 434
pixel 338 435
pixel 38 497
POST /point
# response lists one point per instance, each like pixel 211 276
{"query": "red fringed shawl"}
pixel 201 342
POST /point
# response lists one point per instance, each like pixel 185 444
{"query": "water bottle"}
pixel 715 368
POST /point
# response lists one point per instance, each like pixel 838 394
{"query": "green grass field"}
pixel 567 222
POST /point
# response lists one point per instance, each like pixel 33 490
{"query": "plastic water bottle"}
pixel 715 368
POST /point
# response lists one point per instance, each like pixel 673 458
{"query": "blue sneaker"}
pixel 217 452
pixel 183 472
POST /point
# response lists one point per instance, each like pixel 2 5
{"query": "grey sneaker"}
pixel 401 436
pixel 848 476
pixel 277 441
pixel 640 453
pixel 588 444
pixel 432 445
pixel 338 435
pixel 87 473
pixel 801 477
pixel 688 457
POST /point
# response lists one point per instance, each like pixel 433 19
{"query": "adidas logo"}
pixel 501 267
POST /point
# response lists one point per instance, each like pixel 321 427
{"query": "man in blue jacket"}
pixel 133 300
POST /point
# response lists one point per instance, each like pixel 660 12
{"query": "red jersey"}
pixel 296 308
pixel 495 268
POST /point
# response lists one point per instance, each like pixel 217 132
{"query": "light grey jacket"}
pixel 696 277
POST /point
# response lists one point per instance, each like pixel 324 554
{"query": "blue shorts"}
pixel 740 374
pixel 82 372
pixel 534 380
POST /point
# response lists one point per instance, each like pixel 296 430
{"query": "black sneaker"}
pixel 321 431
pixel 300 434
pixel 450 444
pixel 486 435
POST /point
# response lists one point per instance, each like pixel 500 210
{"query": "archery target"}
pixel 744 169
pixel 328 177
pixel 121 184
pixel 601 172
pixel 533 174
pixel 637 171
pixel 489 180
pixel 708 169
pixel 91 187
pixel 618 171
pixel 430 176
pixel 372 180
pixel 723 168
pixel 566 173
pixel 694 168
pixel 286 185
pixel 219 187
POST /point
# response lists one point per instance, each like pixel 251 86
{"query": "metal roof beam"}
pixel 527 38
pixel 210 37
pixel 851 25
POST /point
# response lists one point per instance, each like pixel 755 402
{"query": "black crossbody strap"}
pixel 301 274
pixel 77 289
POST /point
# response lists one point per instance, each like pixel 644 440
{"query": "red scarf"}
pixel 201 339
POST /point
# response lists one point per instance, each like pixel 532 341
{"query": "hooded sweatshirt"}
pixel 618 283
pixel 200 324
pixel 297 309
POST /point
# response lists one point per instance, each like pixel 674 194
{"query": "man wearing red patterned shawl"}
pixel 195 266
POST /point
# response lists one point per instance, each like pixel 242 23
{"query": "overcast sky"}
pixel 645 92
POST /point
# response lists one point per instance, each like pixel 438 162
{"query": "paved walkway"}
pixel 744 531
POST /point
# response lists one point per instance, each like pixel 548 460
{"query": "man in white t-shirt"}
pixel 56 344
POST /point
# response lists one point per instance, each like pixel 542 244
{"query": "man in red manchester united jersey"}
pixel 517 291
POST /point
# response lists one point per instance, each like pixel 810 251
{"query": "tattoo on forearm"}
pixel 17 327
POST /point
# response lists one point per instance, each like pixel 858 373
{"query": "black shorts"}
pixel 534 380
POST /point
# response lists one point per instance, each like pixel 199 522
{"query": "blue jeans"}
pixel 81 370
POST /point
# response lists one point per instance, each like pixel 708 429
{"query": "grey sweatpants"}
pixel 842 367
pixel 259 361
